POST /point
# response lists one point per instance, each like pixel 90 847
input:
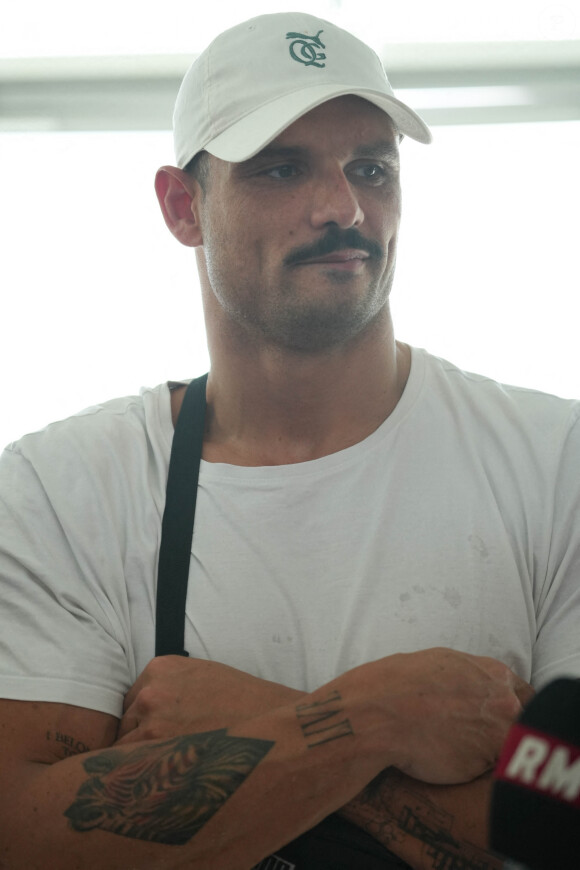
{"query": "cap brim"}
pixel 249 135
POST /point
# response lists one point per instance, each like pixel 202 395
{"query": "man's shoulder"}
pixel 111 425
pixel 510 402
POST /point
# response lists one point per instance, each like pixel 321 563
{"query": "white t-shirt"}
pixel 456 523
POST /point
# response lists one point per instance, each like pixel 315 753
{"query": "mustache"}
pixel 335 240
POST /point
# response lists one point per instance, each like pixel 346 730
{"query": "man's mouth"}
pixel 350 258
pixel 341 249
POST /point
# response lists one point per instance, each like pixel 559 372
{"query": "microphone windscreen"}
pixel 535 805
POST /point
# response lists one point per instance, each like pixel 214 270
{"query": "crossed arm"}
pixel 213 768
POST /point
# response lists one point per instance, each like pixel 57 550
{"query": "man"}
pixel 385 550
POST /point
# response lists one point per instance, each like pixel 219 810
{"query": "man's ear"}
pixel 178 195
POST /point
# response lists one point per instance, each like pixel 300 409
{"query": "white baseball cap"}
pixel 257 78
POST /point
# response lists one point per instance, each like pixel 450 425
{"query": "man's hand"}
pixel 176 695
pixel 444 715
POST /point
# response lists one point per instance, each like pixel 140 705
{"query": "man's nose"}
pixel 335 201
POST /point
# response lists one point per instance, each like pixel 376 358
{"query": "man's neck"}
pixel 277 413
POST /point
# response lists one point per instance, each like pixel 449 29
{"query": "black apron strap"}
pixel 178 517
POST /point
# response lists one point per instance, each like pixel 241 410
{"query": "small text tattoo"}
pixel 167 792
pixel 321 721
pixel 66 744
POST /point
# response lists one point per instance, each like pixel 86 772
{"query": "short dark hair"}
pixel 198 168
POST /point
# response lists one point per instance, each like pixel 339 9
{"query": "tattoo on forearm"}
pixel 167 792
pixel 321 721
pixel 66 745
pixel 404 819
pixel 445 852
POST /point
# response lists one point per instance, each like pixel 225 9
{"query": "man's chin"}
pixel 318 329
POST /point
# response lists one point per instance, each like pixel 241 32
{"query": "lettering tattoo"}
pixel 318 721
pixel 65 745
pixel 164 793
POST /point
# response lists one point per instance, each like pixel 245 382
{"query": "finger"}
pixel 524 692
pixel 520 687
pixel 128 724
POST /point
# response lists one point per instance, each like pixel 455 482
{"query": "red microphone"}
pixel 535 806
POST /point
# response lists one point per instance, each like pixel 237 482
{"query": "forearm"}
pixel 227 778
pixel 217 799
pixel 428 826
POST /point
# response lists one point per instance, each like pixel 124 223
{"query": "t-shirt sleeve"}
pixel 557 647
pixel 63 617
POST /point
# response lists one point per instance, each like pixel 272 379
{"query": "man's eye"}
pixel 286 170
pixel 370 171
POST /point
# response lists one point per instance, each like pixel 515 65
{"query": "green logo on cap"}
pixel 304 49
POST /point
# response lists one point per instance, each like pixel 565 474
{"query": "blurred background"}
pixel 97 298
